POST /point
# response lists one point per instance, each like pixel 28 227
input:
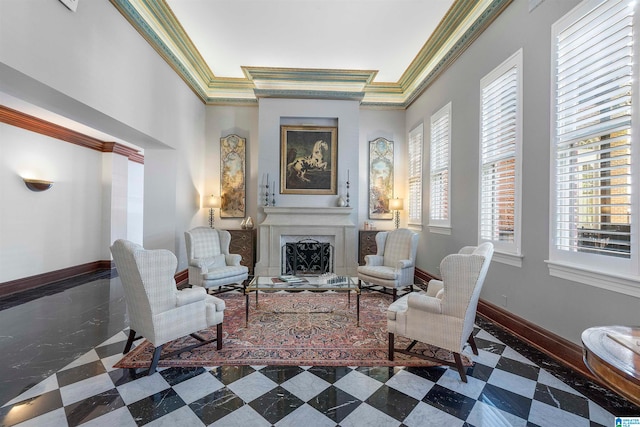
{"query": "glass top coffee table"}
pixel 303 283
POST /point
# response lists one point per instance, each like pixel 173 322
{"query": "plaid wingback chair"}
pixel 210 263
pixel 445 314
pixel 158 311
pixel 393 266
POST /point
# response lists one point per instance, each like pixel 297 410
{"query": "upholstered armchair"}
pixel 393 266
pixel 210 263
pixel 445 314
pixel 158 311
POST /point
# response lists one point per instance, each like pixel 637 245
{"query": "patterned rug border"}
pixel 236 352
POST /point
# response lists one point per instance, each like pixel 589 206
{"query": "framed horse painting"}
pixel 308 159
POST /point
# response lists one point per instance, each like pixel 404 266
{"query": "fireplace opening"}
pixel 307 257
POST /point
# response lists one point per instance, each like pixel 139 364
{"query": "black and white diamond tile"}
pixel 504 388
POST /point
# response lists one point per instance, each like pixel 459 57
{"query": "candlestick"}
pixel 266 192
pixel 348 188
pixel 273 197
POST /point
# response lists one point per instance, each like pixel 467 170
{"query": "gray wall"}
pixel 108 78
pixel 563 307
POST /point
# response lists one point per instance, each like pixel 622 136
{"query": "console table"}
pixel 243 243
pixel 613 363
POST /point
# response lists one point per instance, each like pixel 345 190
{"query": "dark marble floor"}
pixel 59 348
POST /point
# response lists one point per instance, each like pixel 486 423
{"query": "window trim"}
pixel 596 271
pixel 441 226
pixel 510 253
pixel 416 223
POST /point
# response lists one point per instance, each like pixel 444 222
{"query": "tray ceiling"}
pixel 383 53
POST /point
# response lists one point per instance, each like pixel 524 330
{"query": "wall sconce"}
pixel 212 203
pixel 37 184
pixel 396 205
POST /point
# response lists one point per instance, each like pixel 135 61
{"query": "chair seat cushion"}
pixel 213 262
pixel 382 272
pixel 222 272
pixel 399 305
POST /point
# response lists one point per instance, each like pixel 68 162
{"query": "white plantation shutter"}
pixel 415 176
pixel 439 171
pixel 592 141
pixel 501 127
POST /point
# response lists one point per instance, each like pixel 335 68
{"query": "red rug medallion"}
pixel 305 329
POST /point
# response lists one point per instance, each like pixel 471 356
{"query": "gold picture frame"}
pixel 308 160
pixel 232 176
pixel 380 178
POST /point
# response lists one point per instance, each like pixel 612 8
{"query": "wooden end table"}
pixel 613 363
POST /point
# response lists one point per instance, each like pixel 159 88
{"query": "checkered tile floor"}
pixel 504 389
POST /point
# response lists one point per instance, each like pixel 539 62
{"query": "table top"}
pixel 609 354
pixel 307 283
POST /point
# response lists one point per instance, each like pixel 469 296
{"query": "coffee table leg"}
pixel 358 309
pixel 246 307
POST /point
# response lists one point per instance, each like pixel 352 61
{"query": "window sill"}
pixel 627 285
pixel 439 229
pixel 415 227
pixel 514 260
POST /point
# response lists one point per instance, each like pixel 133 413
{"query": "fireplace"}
pixel 284 225
pixel 307 257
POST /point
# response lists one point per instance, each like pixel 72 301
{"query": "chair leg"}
pixel 130 340
pixel 460 367
pixel 219 336
pixel 473 345
pixel 395 294
pixel 391 346
pixel 154 361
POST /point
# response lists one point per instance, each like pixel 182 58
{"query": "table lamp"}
pixel 396 205
pixel 212 203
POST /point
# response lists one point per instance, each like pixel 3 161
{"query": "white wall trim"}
pixel 623 284
pixel 438 229
pixel 514 260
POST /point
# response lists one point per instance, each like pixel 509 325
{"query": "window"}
pixel 439 219
pixel 500 148
pixel 592 198
pixel 415 176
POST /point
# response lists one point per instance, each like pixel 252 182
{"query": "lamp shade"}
pixel 212 202
pixel 396 204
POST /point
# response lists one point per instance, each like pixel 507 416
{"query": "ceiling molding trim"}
pixel 488 15
pixel 166 49
pixel 463 23
pixel 444 33
pixel 409 94
pixel 309 94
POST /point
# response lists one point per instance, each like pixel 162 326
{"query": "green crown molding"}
pixel 463 23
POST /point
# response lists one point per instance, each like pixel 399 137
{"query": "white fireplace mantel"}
pixel 306 222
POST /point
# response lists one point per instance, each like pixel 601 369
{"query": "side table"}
pixel 366 244
pixel 243 242
pixel 613 363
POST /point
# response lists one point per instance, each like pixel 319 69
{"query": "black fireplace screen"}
pixel 307 256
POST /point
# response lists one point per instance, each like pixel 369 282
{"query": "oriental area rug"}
pixel 303 329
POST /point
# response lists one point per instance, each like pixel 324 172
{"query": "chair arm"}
pixel 190 295
pixel 233 259
pixel 424 303
pixel 199 263
pixel 434 287
pixel 404 263
pixel 373 260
